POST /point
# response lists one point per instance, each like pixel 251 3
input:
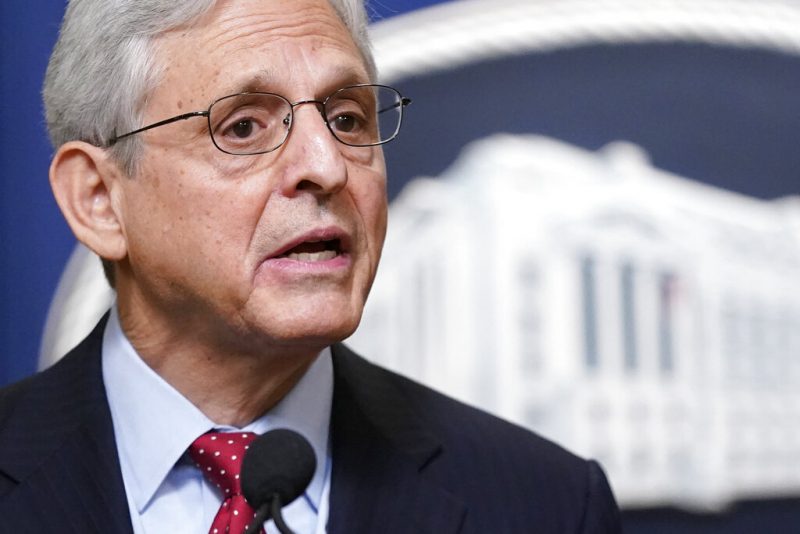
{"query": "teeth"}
pixel 325 255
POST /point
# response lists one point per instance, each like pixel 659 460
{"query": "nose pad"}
pixel 317 104
pixel 289 120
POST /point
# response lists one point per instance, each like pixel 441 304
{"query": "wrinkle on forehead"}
pixel 239 25
pixel 298 48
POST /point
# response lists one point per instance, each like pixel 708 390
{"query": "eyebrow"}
pixel 257 82
pixel 263 80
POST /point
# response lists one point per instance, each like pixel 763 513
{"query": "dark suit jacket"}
pixel 405 460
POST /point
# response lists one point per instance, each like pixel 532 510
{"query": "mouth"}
pixel 314 251
pixel 319 254
pixel 316 246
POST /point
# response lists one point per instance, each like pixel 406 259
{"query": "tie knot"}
pixel 219 456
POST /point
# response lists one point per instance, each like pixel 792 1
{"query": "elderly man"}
pixel 223 158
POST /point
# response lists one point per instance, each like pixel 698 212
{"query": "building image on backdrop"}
pixel 635 316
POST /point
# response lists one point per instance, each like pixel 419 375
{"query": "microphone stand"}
pixel 277 516
pixel 270 508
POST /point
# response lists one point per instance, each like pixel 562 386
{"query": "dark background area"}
pixel 724 116
pixel 777 516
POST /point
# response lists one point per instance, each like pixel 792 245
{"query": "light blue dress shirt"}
pixel 154 426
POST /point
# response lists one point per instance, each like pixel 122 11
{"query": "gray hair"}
pixel 102 68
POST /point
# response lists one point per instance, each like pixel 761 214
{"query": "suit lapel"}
pixel 59 447
pixel 380 454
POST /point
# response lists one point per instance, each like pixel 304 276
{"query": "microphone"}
pixel 276 469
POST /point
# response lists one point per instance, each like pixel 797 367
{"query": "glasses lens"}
pixel 249 123
pixel 364 115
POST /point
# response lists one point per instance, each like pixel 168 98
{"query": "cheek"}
pixel 372 205
pixel 177 209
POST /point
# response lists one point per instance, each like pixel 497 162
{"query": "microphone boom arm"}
pixel 271 508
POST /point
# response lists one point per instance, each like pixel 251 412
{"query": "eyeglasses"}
pixel 256 123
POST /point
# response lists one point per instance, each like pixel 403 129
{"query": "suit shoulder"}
pixel 488 431
pixel 491 463
pixel 11 394
pixel 55 389
pixel 462 426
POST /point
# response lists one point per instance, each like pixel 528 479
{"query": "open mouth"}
pixel 311 251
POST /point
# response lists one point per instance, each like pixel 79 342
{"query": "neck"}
pixel 231 383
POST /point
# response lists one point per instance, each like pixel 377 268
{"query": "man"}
pixel 223 158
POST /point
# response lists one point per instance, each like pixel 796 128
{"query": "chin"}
pixel 311 339
pixel 313 318
pixel 317 327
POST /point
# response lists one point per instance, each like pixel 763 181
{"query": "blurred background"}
pixel 593 233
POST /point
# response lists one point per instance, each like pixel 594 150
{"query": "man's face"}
pixel 281 247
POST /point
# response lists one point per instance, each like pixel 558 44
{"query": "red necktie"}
pixel 219 455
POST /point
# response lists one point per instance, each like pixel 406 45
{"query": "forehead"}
pixel 277 45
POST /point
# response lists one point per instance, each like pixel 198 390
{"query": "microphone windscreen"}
pixel 281 462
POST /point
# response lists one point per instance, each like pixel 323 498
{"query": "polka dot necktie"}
pixel 219 455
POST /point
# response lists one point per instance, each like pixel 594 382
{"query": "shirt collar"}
pixel 154 424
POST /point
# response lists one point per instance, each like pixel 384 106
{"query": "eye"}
pixel 352 116
pixel 249 123
pixel 247 131
pixel 348 120
pixel 345 123
pixel 242 128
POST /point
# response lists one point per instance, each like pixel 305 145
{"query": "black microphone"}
pixel 276 469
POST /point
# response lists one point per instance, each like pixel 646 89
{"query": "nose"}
pixel 313 157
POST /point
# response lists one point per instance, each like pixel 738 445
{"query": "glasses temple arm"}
pixel 113 140
pixel 403 102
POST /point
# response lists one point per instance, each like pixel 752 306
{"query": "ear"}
pixel 84 182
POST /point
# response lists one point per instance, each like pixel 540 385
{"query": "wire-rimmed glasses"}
pixel 256 123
